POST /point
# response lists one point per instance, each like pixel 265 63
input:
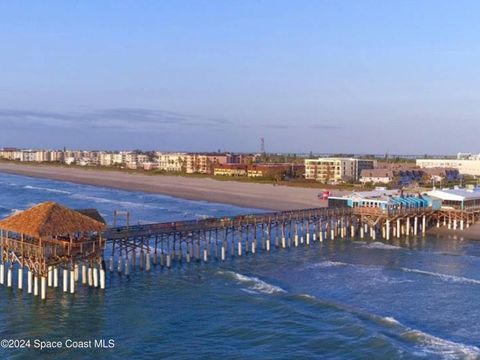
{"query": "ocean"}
pixel 413 298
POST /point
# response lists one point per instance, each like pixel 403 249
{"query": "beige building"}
pixel 172 162
pixel 466 166
pixel 335 170
pixel 204 163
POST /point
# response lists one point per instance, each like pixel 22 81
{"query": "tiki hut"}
pixel 50 234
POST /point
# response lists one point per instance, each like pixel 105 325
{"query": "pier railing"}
pixel 221 222
pixel 399 212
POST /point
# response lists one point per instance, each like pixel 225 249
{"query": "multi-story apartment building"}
pixel 334 170
pixel 171 162
pixel 204 163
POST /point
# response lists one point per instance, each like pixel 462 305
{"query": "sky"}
pixel 325 76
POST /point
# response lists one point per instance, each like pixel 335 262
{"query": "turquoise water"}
pixel 412 298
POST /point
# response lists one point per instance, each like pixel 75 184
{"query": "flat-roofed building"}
pixel 334 170
pixel 384 200
pixel 466 164
pixel 171 162
pixel 230 170
pixel 458 198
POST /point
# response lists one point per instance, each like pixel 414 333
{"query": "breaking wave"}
pixel 30 187
pixel 327 264
pixel 126 204
pixel 254 284
pixel 444 277
pixel 380 245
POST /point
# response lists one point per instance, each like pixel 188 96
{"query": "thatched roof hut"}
pixel 50 219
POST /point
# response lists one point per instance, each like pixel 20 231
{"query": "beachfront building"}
pixel 205 163
pixel 230 170
pixel 171 162
pixel 466 164
pixel 336 170
pixel 458 198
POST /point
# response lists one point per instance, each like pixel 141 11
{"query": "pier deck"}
pixel 76 252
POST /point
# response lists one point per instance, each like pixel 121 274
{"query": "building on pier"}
pixel 49 236
pixel 384 200
pixel 458 199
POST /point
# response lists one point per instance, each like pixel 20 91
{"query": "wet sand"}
pixel 251 195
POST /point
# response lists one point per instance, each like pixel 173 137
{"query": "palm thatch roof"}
pixel 50 219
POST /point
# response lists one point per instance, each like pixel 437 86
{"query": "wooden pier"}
pixel 51 242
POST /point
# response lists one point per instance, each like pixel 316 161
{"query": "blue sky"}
pixel 322 76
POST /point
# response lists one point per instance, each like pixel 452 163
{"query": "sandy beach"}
pixel 251 195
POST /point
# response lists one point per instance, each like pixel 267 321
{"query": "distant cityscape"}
pixel 333 170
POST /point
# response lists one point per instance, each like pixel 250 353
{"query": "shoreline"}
pixel 249 195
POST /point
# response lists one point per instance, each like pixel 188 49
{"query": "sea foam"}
pixel 255 284
pixel 444 277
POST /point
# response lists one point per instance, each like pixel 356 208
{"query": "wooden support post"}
pixel 2 273
pixel 95 275
pixel 75 271
pixel 102 278
pixel 50 276
pixel 55 276
pixel 9 275
pixel 127 266
pixel 307 235
pixel 65 280
pixel 35 285
pixel 84 272
pixel 398 228
pixel 90 275
pixel 142 259
pixel 44 287
pixel 147 262
pixel 29 281
pixel 387 230
pixel 20 278
pixel 295 241
pixel 120 265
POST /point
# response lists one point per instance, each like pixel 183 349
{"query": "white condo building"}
pixel 466 164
